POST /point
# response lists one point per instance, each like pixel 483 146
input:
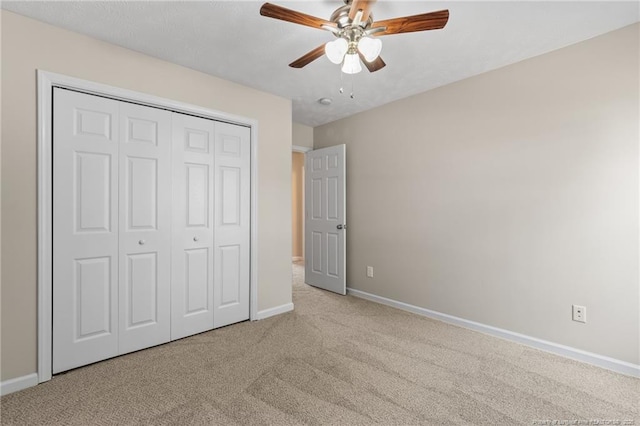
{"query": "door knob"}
pixel 195 238
pixel 141 242
pixel 341 226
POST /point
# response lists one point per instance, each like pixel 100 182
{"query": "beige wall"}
pixel 297 208
pixel 28 45
pixel 507 197
pixel 302 135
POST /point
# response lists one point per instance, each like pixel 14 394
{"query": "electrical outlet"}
pixel 579 313
pixel 369 271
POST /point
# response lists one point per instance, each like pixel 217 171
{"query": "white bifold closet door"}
pixel 211 225
pixel 192 260
pixel 85 223
pixel 111 216
pixel 231 236
pixel 151 217
pixel 145 227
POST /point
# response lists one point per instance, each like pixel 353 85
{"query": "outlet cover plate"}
pixel 579 313
pixel 369 271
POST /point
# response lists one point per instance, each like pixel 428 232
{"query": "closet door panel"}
pixel 145 227
pixel 192 261
pixel 196 290
pixel 232 224
pixel 85 220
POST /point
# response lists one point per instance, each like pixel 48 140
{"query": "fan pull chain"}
pixel 341 90
pixel 351 95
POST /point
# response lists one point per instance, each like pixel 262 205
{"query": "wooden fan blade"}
pixel 374 66
pixel 308 58
pixel 284 14
pixel 409 24
pixel 364 6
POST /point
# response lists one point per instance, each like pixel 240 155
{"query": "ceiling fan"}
pixel 356 32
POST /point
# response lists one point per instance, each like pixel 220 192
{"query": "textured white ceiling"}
pixel 230 39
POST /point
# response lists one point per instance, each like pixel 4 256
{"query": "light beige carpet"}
pixel 335 360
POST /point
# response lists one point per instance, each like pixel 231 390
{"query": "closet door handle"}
pixel 195 238
pixel 141 242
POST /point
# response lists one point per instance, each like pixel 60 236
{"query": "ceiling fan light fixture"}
pixel 336 49
pixel 351 64
pixel 370 48
pixel 353 25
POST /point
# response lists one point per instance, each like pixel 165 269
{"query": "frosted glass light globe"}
pixel 370 48
pixel 351 64
pixel 336 49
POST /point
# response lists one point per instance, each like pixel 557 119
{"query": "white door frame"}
pixel 302 149
pixel 298 148
pixel 46 82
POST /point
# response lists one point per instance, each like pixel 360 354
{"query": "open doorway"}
pixel 297 213
pixel 297 207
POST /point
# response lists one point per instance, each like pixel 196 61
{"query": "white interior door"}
pixel 192 272
pixel 85 220
pixel 232 223
pixel 145 227
pixel 325 214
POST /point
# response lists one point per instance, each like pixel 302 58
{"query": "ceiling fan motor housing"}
pixel 351 32
pixel 341 18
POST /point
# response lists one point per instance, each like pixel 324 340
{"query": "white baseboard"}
pixel 19 383
pixel 297 258
pixel 613 364
pixel 274 311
